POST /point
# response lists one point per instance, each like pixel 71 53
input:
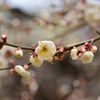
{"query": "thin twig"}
pixel 69 47
pixel 16 46
pixel 12 67
pixel 6 68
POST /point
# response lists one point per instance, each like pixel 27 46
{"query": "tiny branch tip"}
pixel 98 32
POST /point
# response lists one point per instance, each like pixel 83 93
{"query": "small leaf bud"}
pixel 4 37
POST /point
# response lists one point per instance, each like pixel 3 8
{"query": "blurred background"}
pixel 65 22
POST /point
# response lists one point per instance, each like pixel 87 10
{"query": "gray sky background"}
pixel 34 6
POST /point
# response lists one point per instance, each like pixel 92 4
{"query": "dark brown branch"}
pixel 16 46
pixel 6 68
pixel 69 47
pixel 12 67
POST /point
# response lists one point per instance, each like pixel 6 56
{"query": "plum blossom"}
pixel 73 53
pixel 87 57
pixel 45 49
pixel 21 71
pixel 36 61
pixel 19 52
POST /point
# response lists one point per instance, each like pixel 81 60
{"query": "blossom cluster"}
pixel 85 53
pixel 44 51
pixel 47 51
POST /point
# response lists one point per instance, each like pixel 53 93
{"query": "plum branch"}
pixel 47 51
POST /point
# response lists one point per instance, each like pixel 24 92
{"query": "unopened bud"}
pixel 25 66
pixel 33 46
pixel 19 52
pixel 79 55
pixel 12 70
pixel 93 48
pixel 83 49
pixel 4 37
pixel 87 43
pixel 11 62
pixel 61 49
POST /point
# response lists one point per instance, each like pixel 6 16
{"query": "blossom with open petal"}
pixel 19 52
pixel 36 61
pixel 45 49
pixel 73 53
pixel 87 57
pixel 21 71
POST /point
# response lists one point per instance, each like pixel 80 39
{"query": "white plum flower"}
pixel 36 61
pixel 73 53
pixel 19 52
pixel 45 49
pixel 21 71
pixel 87 57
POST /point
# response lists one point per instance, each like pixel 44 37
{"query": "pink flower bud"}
pixel 25 66
pixel 19 52
pixel 93 48
pixel 4 37
pixel 83 49
pixel 79 55
pixel 12 70
pixel 87 43
pixel 61 49
pixel 11 62
pixel 33 46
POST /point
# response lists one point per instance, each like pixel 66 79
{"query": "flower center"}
pixel 44 49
